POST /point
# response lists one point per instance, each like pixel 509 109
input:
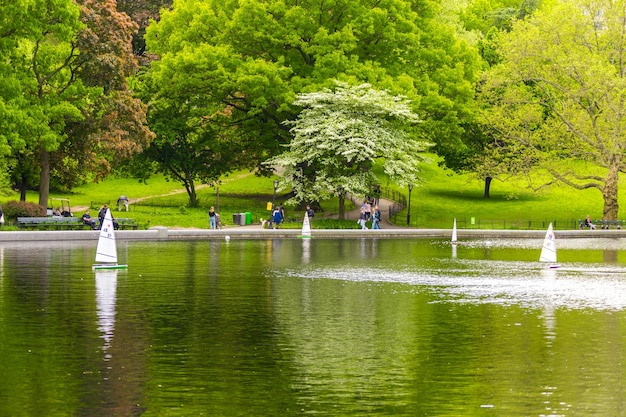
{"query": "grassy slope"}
pixel 446 195
pixel 442 196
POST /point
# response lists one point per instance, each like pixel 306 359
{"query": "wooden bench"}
pixel 66 223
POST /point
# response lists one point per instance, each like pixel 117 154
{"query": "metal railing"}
pixel 495 224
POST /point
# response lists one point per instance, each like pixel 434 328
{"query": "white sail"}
pixel 306 226
pixel 454 231
pixel 548 251
pixel 106 251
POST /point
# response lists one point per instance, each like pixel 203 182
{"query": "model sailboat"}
pixel 306 227
pixel 548 251
pixel 106 252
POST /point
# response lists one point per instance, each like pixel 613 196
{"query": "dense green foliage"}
pixel 338 137
pixel 221 83
pixel 240 66
pixel 556 101
pixel 66 113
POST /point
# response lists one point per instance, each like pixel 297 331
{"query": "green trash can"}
pixel 248 217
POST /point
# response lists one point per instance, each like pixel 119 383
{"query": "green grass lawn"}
pixel 440 197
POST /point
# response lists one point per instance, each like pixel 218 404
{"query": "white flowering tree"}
pixel 337 138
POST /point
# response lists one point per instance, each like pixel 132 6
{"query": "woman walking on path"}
pixel 376 218
pixel 362 219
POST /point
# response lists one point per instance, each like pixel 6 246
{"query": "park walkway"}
pixel 383 204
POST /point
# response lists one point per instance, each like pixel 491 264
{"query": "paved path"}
pixel 383 205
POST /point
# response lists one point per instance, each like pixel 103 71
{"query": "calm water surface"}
pixel 314 327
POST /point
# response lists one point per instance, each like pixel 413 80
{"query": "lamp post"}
pixel 408 213
pixel 274 198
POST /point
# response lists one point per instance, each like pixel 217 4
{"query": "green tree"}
pixel 189 148
pixel 39 64
pixel 485 20
pixel 66 104
pixel 114 127
pixel 556 101
pixel 338 137
pixel 255 57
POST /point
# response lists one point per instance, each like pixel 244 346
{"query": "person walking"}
pixel 101 214
pixel 277 217
pixel 309 212
pixel 368 209
pixel 362 219
pixel 282 213
pixel 376 218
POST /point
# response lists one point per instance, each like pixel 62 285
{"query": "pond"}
pixel 292 327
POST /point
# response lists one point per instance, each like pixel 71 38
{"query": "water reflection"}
pixel 295 327
pixel 506 283
pixel 306 250
pixel 106 284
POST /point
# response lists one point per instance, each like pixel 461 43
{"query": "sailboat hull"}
pixel 108 266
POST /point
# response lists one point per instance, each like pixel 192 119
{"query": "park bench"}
pixel 607 224
pixel 65 223
pixel 50 222
pixel 603 224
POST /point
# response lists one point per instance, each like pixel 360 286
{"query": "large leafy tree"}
pixel 556 101
pixel 43 95
pixel 189 148
pixel 484 20
pixel 65 103
pixel 339 135
pixel 114 126
pixel 256 56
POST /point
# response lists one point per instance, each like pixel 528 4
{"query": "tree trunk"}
pixel 44 178
pixel 191 192
pixel 487 186
pixel 22 187
pixel 342 206
pixel 609 193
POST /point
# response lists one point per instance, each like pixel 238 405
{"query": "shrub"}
pixel 15 209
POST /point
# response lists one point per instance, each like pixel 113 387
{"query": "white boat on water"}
pixel 306 227
pixel 106 252
pixel 548 250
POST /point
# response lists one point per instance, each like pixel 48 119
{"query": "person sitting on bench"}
pixel 86 218
pixel 588 223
